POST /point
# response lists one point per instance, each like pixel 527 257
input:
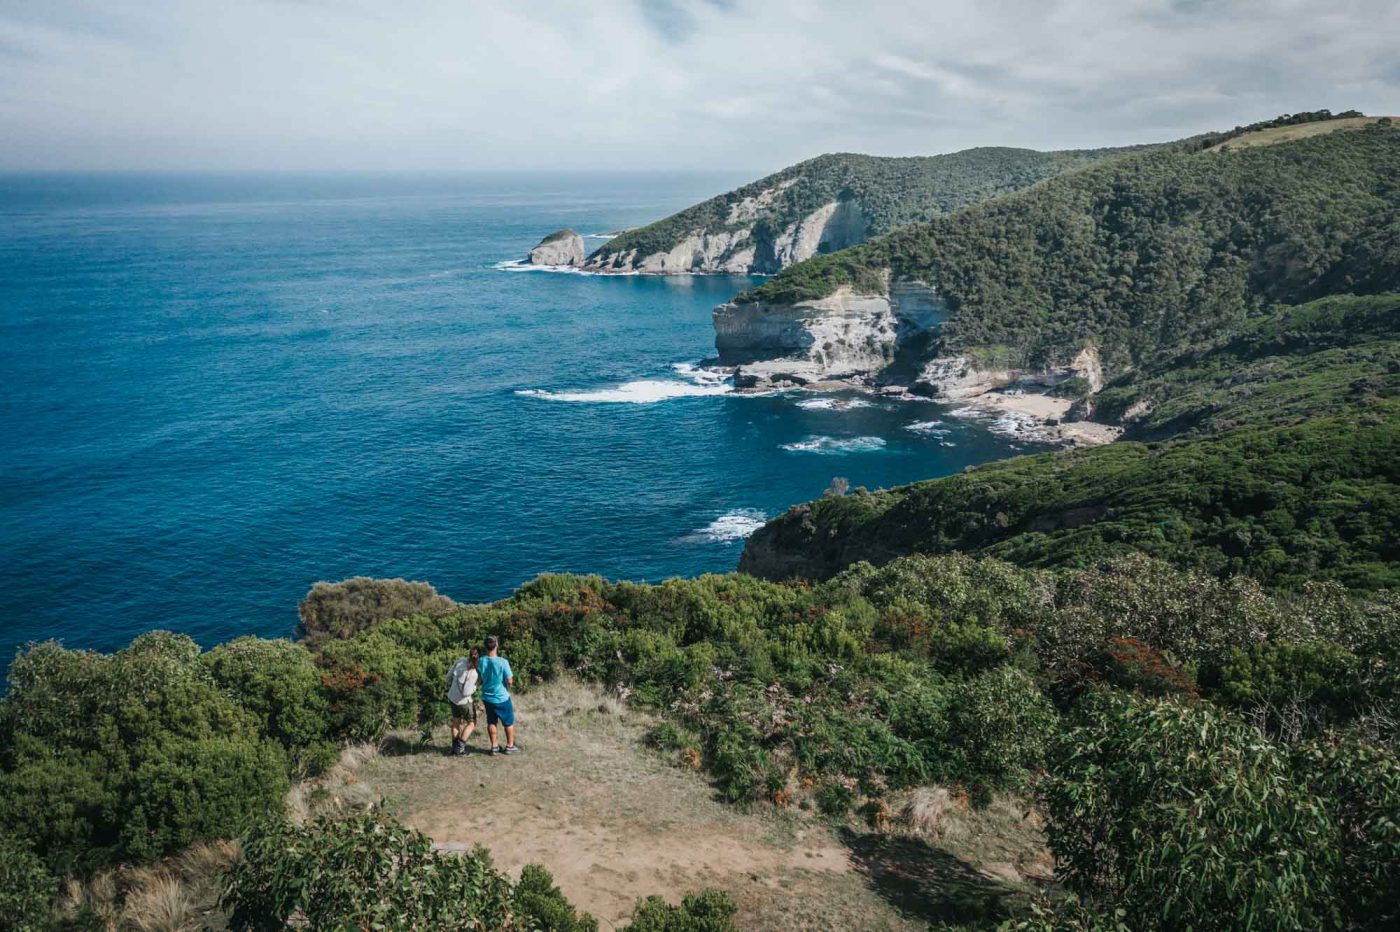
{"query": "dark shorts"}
pixel 500 713
pixel 466 712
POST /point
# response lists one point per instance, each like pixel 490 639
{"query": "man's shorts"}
pixel 500 713
pixel 465 712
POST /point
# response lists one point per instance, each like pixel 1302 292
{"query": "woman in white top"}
pixel 461 695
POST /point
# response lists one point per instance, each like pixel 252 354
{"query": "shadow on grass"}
pixel 928 883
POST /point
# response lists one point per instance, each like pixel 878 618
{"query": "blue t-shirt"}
pixel 494 673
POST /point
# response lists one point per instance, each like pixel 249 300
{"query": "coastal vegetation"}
pixel 1076 687
pixel 1177 655
pixel 889 192
pixel 1155 251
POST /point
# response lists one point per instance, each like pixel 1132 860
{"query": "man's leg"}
pixel 510 736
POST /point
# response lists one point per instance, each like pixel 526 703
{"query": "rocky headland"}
pixel 562 248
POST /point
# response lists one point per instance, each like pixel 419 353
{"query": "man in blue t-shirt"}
pixel 496 675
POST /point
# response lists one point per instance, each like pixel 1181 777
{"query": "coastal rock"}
pixel 955 378
pixel 830 227
pixel 841 335
pixel 736 250
pixel 560 248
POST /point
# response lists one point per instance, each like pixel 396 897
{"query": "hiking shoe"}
pixel 495 750
pixel 456 747
pixel 460 749
pixel 509 749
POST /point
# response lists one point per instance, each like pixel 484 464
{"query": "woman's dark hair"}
pixel 475 654
pixel 491 643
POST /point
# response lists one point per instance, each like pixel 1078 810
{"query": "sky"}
pixel 656 84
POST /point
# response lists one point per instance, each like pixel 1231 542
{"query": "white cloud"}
pixel 685 83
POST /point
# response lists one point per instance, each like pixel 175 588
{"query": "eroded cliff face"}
pixel 560 248
pixel 843 336
pixel 743 247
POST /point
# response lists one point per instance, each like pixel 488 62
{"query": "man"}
pixel 496 676
pixel 461 695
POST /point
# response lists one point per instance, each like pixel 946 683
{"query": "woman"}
pixel 461 695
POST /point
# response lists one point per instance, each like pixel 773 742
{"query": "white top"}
pixel 461 682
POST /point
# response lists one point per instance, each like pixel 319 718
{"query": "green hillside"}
pixel 1163 249
pixel 890 192
pixel 1284 468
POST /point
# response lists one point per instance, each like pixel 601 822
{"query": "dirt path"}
pixel 613 821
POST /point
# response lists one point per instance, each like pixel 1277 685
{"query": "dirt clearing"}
pixel 614 821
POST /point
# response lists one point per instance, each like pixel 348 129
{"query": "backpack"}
pixel 457 681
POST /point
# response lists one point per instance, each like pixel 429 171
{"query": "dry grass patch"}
pixel 1277 134
pixel 614 821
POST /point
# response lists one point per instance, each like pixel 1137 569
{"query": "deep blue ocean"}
pixel 218 390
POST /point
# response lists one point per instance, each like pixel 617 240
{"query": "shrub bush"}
pixel 710 911
pixel 1186 817
pixel 128 756
pixel 342 609
pixel 26 887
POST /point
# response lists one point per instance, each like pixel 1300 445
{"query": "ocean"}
pixel 221 389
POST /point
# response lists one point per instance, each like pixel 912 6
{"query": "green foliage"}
pixel 26 887
pixel 1360 785
pixel 128 756
pixel 1164 248
pixel 278 682
pixel 1285 505
pixel 889 192
pixel 710 911
pixel 1000 724
pixel 339 610
pixel 364 872
pixel 539 904
pixel 1188 818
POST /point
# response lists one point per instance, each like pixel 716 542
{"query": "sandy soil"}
pixel 614 821
pixel 1042 409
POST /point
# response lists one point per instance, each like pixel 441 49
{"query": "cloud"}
pixel 754 84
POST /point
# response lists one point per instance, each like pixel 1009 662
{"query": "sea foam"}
pixel 835 446
pixel 928 428
pixel 694 381
pixel 730 526
pixel 833 404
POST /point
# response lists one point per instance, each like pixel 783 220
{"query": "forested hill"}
pixel 1283 465
pixel 828 202
pixel 1155 251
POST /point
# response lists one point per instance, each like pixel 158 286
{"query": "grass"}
pixel 1277 134
pixel 614 820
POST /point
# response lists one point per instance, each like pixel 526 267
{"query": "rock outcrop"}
pixel 844 336
pixel 743 246
pixel 560 248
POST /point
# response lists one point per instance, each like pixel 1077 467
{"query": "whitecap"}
pixel 524 265
pixel 933 428
pixel 833 404
pixel 730 526
pixel 702 375
pixel 835 446
pixel 640 392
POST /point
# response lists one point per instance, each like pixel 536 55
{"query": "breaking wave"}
pixel 928 428
pixel 835 445
pixel 833 404
pixel 694 381
pixel 730 526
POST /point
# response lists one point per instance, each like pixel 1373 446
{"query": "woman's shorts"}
pixel 502 713
pixel 466 712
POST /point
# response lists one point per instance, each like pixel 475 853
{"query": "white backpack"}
pixel 461 682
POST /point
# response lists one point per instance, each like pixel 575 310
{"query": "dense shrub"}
pixel 1188 818
pixel 362 872
pixel 26 888
pixel 1360 786
pixel 339 610
pixel 711 911
pixel 999 726
pixel 128 756
pixel 278 682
